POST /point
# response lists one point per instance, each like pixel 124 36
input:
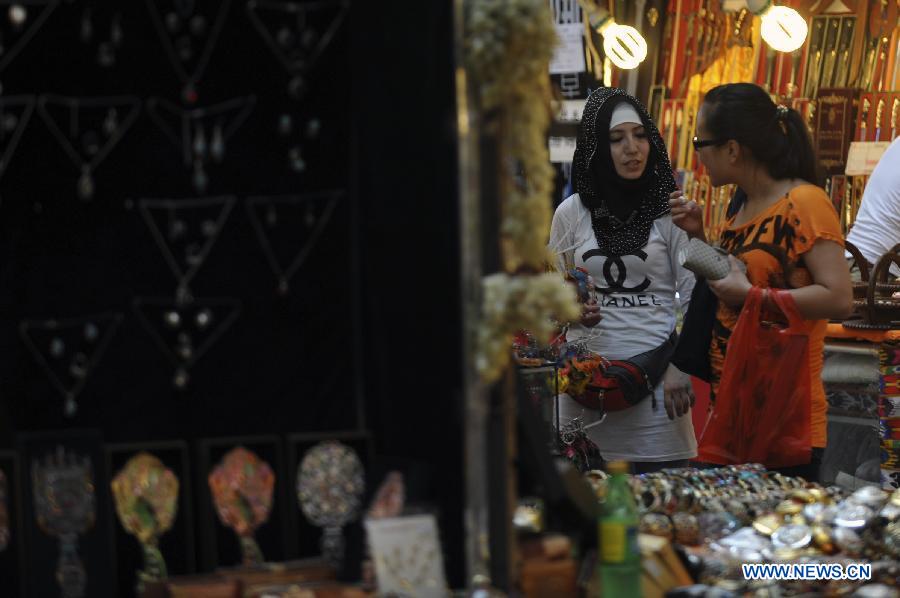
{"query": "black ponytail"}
pixel 776 136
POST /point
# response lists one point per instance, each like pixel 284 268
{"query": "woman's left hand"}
pixel 678 392
pixel 732 289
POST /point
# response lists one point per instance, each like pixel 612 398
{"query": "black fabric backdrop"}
pixel 369 336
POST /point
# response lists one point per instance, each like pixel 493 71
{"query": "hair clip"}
pixel 781 112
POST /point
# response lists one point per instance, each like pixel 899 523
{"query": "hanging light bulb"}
pixel 782 27
pixel 623 45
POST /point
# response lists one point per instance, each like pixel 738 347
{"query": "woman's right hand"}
pixel 687 215
pixel 590 314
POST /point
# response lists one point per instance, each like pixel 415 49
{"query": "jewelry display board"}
pixel 142 147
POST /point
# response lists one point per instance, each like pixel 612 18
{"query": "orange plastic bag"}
pixel 762 410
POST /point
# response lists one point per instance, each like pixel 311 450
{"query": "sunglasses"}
pixel 698 143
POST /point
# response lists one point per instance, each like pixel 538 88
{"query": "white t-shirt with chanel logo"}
pixel 637 294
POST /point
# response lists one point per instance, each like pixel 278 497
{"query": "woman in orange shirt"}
pixel 786 231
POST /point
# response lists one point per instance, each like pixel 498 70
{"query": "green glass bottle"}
pixel 620 557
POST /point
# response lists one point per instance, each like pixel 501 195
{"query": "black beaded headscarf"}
pixel 622 210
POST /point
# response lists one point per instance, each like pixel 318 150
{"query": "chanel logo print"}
pixel 616 273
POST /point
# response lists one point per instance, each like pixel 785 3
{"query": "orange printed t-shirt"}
pixel 772 246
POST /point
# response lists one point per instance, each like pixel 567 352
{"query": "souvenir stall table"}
pixel 729 516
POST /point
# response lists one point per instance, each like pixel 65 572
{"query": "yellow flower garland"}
pixel 508 48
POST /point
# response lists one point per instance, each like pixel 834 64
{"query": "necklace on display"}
pixel 106 48
pixel 201 133
pixel 299 221
pixel 183 252
pixel 298 34
pixel 69 350
pixel 289 30
pixel 181 26
pixel 95 147
pixel 186 329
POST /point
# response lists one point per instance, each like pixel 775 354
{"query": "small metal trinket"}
pixel 90 143
pixel 870 496
pixel 78 366
pixel 687 530
pixel 91 332
pixel 57 347
pixel 204 318
pixel 85 185
pixel 789 507
pixel 802 496
pixel 172 319
pixel 313 127
pixel 529 516
pixel 657 524
pixel 822 539
pixel 795 537
pixel 819 513
pixel 819 495
pixel 217 144
pixel 285 124
pixel 199 178
pixel 180 379
pixel 767 524
pixel 852 515
pixel 17 15
pixel 718 524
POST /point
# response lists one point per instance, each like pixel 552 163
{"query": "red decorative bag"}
pixel 763 407
pixel 620 384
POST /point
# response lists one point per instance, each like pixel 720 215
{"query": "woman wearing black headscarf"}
pixel 617 226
